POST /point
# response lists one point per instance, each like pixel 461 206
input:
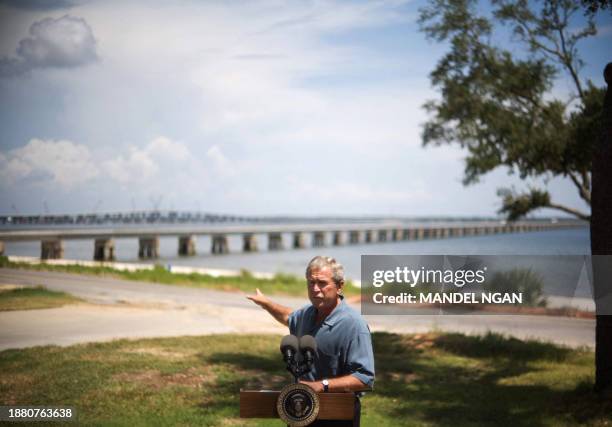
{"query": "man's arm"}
pixel 360 364
pixel 279 312
pixel 338 384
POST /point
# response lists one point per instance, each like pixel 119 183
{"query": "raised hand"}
pixel 259 298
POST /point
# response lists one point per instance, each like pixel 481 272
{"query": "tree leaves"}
pixel 499 107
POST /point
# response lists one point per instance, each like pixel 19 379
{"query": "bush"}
pixel 522 281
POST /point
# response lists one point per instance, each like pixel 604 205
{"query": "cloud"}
pixel 137 166
pixel 65 42
pixel 161 166
pixel 61 163
pixel 221 165
pixel 162 147
pixel 337 16
pixel 140 165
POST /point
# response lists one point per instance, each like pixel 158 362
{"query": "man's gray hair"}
pixel 321 262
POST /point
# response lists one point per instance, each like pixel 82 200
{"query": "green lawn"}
pixel 281 284
pixel 34 298
pixel 432 379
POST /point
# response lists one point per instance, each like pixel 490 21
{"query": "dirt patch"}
pixel 263 381
pixel 421 341
pixel 6 287
pixel 232 422
pixel 403 377
pixel 192 377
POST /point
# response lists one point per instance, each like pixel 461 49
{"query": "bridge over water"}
pixel 301 232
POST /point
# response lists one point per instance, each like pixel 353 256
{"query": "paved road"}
pixel 129 309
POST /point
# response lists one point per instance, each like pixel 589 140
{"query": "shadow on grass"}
pixel 244 361
pixel 236 371
pixel 495 345
pixel 441 379
pixel 454 380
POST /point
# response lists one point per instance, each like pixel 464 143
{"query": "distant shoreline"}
pixel 126 266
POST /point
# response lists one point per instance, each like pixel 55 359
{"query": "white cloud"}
pixel 221 165
pixel 136 166
pixel 57 162
pixel 69 164
pixel 162 147
pixel 61 43
pixel 160 156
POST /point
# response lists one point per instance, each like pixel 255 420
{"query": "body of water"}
pixel 574 241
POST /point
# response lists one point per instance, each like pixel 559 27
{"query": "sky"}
pixel 243 107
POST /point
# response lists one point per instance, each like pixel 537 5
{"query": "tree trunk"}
pixel 601 240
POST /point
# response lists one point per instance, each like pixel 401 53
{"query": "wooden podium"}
pixel 262 404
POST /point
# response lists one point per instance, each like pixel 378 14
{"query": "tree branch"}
pixel 585 192
pixel 586 180
pixel 560 51
pixel 567 60
pixel 517 205
pixel 570 211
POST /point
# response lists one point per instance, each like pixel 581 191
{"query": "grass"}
pixel 430 379
pixel 281 284
pixel 34 298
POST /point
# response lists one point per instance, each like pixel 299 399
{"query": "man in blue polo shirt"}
pixel 345 360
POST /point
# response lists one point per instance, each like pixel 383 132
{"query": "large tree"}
pixel 500 105
pixel 601 244
pixel 501 108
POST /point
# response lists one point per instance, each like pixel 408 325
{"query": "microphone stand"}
pixel 298 368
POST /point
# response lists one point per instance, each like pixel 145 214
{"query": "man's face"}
pixel 322 291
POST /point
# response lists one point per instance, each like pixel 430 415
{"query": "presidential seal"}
pixel 297 405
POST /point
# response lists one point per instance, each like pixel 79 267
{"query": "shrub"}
pixel 519 280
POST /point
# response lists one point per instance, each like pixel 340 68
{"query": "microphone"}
pixel 289 347
pixel 308 348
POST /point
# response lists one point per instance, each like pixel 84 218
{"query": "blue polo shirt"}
pixel 344 344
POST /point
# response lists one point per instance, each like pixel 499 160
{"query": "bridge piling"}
pixel 104 250
pixel 275 241
pixel 186 246
pixel 219 244
pixel 249 243
pixel 354 237
pixel 338 239
pixel 299 242
pixel 52 249
pixel 318 239
pixel 148 247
